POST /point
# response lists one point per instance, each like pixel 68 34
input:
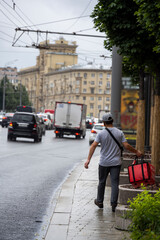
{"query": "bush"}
pixel 145 216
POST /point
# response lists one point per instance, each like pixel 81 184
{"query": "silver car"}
pixel 95 130
pixel 1 117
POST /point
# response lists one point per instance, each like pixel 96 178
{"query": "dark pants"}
pixel 114 175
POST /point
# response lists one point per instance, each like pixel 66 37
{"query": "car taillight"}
pixel 45 119
pixel 77 134
pixel 11 124
pixel 35 125
pixel 93 131
pixel 90 123
pixel 56 131
pixel 4 118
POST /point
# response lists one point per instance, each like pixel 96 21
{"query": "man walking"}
pixel 110 159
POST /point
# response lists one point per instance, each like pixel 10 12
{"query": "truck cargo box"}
pixel 70 119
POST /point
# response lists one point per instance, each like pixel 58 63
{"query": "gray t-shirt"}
pixel 110 154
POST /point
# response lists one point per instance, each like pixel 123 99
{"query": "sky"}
pixel 62 16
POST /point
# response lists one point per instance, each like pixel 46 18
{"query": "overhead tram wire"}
pixel 57 21
pixel 8 17
pixel 47 32
pixel 61 33
pixel 5 40
pixel 41 24
pixel 80 15
pixel 11 36
pixel 6 23
pixel 11 14
pixel 27 18
pixel 18 15
pixel 15 12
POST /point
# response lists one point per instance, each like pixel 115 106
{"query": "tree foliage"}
pixel 148 15
pixel 118 19
pixel 12 95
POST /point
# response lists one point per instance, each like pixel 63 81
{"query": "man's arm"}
pixel 132 149
pixel 91 151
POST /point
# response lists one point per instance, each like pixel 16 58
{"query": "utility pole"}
pixel 116 86
pixel 20 97
pixel 4 92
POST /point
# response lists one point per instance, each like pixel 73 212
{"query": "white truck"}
pixel 70 119
pixel 100 115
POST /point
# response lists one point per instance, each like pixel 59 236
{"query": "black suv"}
pixel 25 125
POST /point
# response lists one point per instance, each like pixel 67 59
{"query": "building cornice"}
pixel 69 70
pixel 28 70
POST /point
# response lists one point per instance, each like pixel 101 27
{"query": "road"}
pixel 30 175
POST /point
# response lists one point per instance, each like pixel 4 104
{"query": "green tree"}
pixel 12 95
pixel 149 18
pixel 148 15
pixel 118 19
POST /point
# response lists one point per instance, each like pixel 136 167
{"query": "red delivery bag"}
pixel 142 172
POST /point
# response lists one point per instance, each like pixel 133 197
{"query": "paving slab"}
pixel 76 217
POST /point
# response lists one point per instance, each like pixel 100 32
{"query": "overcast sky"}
pixel 64 16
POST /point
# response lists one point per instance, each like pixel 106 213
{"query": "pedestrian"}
pixel 110 159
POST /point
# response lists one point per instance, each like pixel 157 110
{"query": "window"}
pixel 77 82
pixel 85 75
pixel 108 84
pixel 100 83
pixel 84 98
pixel 108 75
pixel 77 90
pixel 84 90
pixel 93 75
pixel 100 90
pixel 99 107
pixel 92 82
pixel 91 105
pixel 77 97
pixel 99 98
pixel 108 91
pixel 91 114
pixel 85 82
pixel 107 107
pixel 78 74
pixel 107 99
pixel 101 75
pixel 92 90
pixel 92 98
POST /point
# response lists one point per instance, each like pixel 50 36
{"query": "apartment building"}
pixel 58 77
pixel 11 74
pixel 89 84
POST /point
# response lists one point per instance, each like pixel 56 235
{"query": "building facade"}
pixel 11 74
pixel 58 77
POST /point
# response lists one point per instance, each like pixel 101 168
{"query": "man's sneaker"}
pixel 100 205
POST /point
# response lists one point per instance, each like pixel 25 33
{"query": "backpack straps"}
pixel 121 148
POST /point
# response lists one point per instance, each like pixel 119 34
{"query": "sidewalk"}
pixel 75 216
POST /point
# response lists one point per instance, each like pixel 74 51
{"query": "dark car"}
pixel 25 125
pixel 6 119
pixel 89 123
